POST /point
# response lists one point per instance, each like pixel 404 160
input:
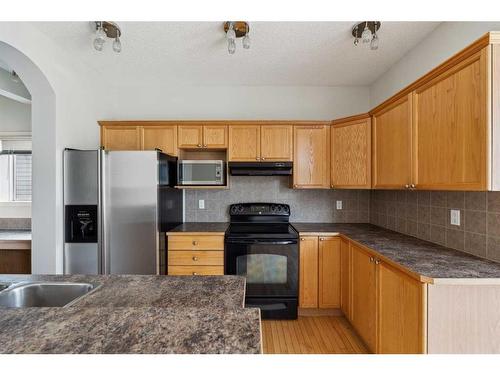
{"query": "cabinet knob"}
pixel 321 239
pixel 302 239
pixel 331 186
pixel 195 258
pixel 204 145
pixel 372 259
pixel 199 145
pixel 195 273
pixel 257 158
pixel 295 185
pixel 413 186
pixel 377 261
pixel 407 186
pixel 262 158
pixel 195 243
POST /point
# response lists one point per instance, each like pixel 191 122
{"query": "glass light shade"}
pixel 356 41
pixel 246 41
pixel 231 34
pixel 100 38
pixel 98 44
pixel 366 35
pixel 231 46
pixel 117 45
pixel 374 42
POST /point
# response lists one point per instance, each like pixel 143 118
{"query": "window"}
pixel 15 178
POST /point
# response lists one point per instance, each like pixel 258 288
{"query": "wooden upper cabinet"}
pixel 345 278
pixel 351 153
pixel 401 312
pixel 160 137
pixel 276 142
pixel 329 272
pixel 190 136
pixel 311 167
pixel 121 137
pixel 364 293
pixel 308 272
pixel 215 136
pixel 244 142
pixel 391 127
pixel 450 127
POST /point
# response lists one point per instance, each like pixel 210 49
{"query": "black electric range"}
pixel 261 245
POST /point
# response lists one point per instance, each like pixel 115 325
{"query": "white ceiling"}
pixel 281 53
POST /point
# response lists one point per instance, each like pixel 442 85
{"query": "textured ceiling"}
pixel 281 53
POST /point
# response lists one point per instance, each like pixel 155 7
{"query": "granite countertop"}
pixel 420 257
pixel 137 314
pixel 15 235
pixel 200 227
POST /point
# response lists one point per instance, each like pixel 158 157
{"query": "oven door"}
pixel 271 267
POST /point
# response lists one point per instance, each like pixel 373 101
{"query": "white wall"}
pixel 446 40
pixel 234 102
pixel 14 116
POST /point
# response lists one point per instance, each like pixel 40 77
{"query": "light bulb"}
pixel 117 45
pixel 374 42
pixel 246 41
pixel 366 35
pixel 100 38
pixel 231 46
pixel 231 34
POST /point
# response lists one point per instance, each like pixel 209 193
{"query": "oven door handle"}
pixel 288 242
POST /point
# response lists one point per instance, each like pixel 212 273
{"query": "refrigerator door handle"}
pixel 104 249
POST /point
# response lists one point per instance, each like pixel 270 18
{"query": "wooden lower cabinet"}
pixel 401 312
pixel 364 296
pixel 195 254
pixel 319 276
pixel 308 272
pixel 345 278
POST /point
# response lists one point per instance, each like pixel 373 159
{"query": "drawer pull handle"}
pixel 195 243
pixel 195 273
pixel 195 258
pixel 302 239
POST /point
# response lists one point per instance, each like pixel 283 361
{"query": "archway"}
pixel 46 208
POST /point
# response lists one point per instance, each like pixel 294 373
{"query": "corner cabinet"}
pixel 311 167
pixel 351 153
pixel 392 127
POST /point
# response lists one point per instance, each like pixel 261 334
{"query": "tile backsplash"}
pixel 306 205
pixel 426 215
pixel 15 223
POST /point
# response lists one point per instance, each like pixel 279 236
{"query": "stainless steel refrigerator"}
pixel 118 206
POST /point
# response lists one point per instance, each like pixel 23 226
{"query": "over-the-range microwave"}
pixel 201 172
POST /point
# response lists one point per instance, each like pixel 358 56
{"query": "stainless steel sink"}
pixel 43 294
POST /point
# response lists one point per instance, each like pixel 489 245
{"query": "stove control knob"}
pixel 273 208
pixel 234 209
pixel 240 208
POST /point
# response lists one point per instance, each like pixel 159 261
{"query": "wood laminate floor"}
pixel 311 335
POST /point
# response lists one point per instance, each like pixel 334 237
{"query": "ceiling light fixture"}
pixel 234 30
pixel 367 32
pixel 107 29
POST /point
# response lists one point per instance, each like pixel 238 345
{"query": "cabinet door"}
pixel 190 136
pixel 308 275
pixel 276 142
pixel 351 154
pixel 392 145
pixel 244 142
pixel 364 294
pixel 215 136
pixel 329 272
pixel 400 312
pixel 162 137
pixel 345 278
pixel 311 167
pixel 121 137
pixel 450 128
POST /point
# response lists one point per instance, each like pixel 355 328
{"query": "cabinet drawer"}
pixel 195 243
pixel 196 258
pixel 195 270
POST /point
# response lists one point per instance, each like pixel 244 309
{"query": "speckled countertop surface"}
pixel 418 256
pixel 15 235
pixel 137 314
pixel 200 227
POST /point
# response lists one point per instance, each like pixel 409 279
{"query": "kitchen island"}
pixel 137 314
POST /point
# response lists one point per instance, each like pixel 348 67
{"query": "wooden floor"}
pixel 311 335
